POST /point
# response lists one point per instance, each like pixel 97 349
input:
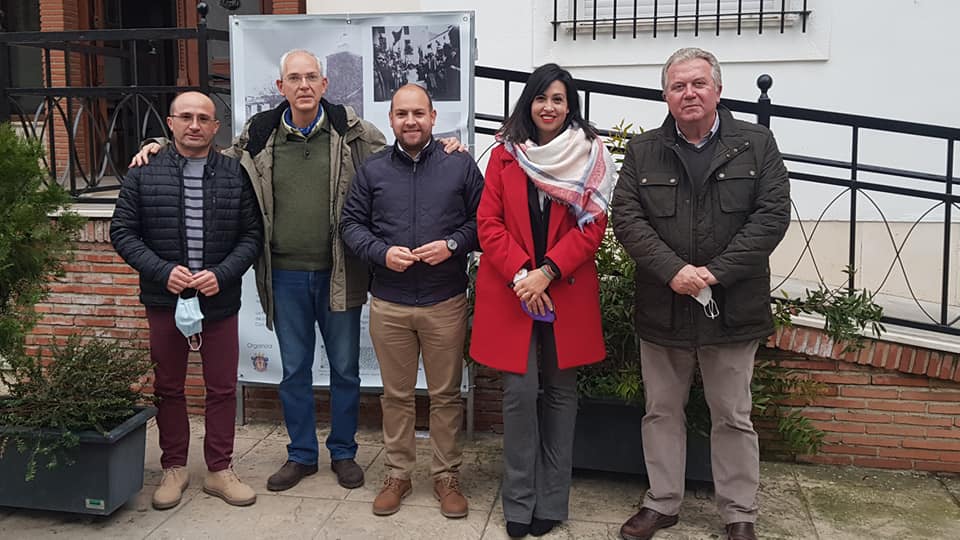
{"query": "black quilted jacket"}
pixel 148 228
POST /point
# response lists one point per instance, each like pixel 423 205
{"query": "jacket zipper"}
pixel 693 236
pixel 413 243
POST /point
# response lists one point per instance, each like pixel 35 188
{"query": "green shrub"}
pixel 33 247
pixel 87 384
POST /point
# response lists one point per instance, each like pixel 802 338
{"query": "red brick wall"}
pixel 891 406
pixel 289 7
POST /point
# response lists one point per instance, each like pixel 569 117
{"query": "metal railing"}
pixel 98 127
pixel 941 196
pixel 637 16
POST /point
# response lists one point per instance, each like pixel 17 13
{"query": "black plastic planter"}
pixel 107 471
pixel 608 438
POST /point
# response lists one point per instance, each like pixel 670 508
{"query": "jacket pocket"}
pixel 736 188
pixel 658 193
pixel 654 306
pixel 746 303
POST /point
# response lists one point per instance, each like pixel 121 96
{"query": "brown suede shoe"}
pixel 388 500
pixel 741 530
pixel 452 502
pixel 644 523
pixel 289 475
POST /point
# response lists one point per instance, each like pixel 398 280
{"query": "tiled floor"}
pixel 797 501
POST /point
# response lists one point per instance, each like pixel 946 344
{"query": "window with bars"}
pixel 672 17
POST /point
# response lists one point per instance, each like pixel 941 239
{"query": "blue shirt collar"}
pixel 288 119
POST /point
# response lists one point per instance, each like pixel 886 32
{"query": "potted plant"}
pixel 73 428
pixel 74 402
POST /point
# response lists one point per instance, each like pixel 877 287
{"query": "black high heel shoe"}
pixel 540 527
pixel 517 530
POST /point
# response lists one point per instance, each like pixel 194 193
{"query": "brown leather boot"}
pixel 388 500
pixel 644 523
pixel 452 502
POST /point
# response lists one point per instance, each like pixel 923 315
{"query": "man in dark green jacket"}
pixel 700 204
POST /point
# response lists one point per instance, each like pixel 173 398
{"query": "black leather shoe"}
pixel 646 522
pixel 540 527
pixel 517 530
pixel 289 475
pixel 349 474
pixel 741 530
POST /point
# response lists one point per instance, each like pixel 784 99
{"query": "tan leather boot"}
pixel 175 481
pixel 452 502
pixel 392 492
pixel 226 485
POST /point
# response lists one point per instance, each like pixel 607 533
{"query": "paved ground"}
pixel 810 502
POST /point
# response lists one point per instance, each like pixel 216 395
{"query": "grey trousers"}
pixel 726 371
pixel 538 436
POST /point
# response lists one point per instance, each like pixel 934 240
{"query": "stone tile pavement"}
pixel 797 501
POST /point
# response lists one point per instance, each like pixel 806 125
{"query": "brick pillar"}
pixel 289 7
pixel 62 15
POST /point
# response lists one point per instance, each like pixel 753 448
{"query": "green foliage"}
pixel 33 247
pixel 87 384
pixel 846 313
pixel 620 135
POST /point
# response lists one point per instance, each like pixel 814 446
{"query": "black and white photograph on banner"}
pixel 425 55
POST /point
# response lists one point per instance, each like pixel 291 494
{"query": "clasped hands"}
pixel 181 278
pixel 399 258
pixel 692 279
pixel 532 291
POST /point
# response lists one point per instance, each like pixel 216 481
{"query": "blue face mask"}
pixel 188 318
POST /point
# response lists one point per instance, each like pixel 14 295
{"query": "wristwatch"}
pixel 518 276
pixel 452 245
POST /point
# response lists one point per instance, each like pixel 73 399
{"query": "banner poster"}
pixel 365 58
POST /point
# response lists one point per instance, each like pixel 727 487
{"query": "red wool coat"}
pixel 501 330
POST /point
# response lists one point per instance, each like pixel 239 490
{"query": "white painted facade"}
pixel 886 58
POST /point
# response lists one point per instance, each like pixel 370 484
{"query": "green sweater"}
pixel 301 200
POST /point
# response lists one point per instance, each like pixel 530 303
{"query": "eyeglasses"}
pixel 201 119
pixel 296 78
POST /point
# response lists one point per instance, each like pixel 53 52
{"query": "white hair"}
pixel 283 59
pixel 692 53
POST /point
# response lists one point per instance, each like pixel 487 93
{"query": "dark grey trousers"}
pixel 538 436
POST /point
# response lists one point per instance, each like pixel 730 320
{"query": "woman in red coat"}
pixel 537 317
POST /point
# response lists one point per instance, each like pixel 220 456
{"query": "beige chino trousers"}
pixel 400 334
pixel 726 371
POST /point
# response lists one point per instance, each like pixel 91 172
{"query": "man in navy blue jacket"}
pixel 411 214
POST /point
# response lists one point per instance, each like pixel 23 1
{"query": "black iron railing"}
pixel 844 174
pixel 640 16
pixel 108 121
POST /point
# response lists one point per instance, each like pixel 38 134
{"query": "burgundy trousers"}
pixel 220 353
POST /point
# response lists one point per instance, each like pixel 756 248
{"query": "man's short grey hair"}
pixel 692 53
pixel 283 59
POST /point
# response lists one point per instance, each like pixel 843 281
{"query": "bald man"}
pixel 189 223
pixel 411 214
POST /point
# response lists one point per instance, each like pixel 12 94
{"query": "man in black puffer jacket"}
pixel 189 223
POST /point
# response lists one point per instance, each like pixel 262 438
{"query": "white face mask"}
pixel 705 299
pixel 188 319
